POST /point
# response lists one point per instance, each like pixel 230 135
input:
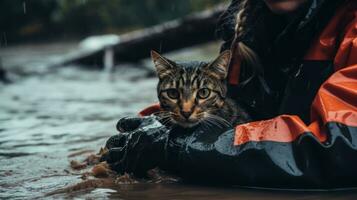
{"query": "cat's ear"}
pixel 162 65
pixel 219 67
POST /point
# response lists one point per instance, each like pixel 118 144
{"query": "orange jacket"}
pixel 336 100
pixel 291 150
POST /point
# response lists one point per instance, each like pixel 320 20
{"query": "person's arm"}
pixel 282 152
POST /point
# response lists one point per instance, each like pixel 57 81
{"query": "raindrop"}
pixel 5 39
pixel 160 48
pixel 24 6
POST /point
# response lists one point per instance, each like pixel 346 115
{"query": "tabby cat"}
pixel 193 92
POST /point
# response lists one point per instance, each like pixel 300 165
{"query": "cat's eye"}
pixel 203 93
pixel 173 93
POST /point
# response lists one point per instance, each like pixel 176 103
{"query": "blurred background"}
pixel 49 27
pixel 54 20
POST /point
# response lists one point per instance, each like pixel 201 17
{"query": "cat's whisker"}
pixel 165 117
pixel 207 122
pixel 166 120
pixel 205 125
pixel 160 112
pixel 209 125
pixel 214 122
pixel 223 121
pixel 219 120
pixel 201 121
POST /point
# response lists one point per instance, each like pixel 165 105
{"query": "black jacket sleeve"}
pixel 210 156
pixel 305 163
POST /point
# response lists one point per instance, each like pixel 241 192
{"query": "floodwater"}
pixel 47 114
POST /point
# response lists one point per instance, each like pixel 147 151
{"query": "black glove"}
pixel 138 147
pixel 208 155
pixel 144 143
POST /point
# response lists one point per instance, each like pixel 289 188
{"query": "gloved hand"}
pixel 143 143
pixel 138 147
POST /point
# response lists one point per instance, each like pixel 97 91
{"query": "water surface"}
pixel 47 114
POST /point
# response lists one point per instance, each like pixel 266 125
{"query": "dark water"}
pixel 50 113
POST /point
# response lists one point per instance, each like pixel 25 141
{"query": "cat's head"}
pixel 190 92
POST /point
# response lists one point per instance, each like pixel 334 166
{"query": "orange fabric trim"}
pixel 150 110
pixel 325 46
pixel 347 52
pixel 336 100
pixel 284 128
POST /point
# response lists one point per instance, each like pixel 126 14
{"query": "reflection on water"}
pixel 45 118
pixel 50 114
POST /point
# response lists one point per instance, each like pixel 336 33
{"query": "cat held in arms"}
pixel 192 93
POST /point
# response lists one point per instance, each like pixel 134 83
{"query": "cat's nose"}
pixel 186 114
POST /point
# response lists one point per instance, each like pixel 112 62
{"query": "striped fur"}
pixel 195 92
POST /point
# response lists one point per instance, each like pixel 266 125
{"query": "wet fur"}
pixel 188 79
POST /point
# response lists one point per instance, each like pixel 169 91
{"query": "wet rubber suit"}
pixel 304 103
